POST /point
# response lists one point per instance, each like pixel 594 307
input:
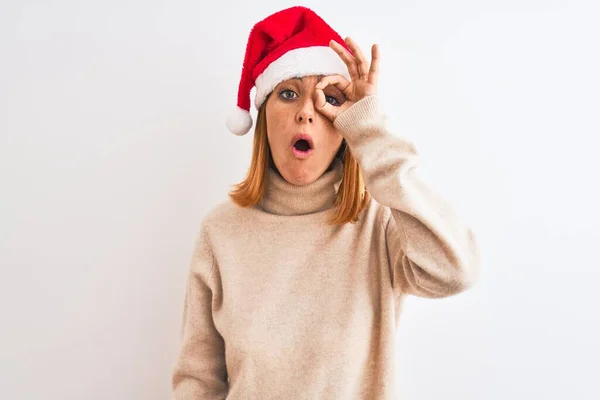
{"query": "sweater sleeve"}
pixel 431 252
pixel 200 371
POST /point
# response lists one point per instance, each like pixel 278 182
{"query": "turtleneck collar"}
pixel 283 198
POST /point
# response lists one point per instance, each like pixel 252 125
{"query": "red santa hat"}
pixel 293 42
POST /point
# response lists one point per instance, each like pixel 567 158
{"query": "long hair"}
pixel 351 198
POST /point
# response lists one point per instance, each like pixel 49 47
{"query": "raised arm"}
pixel 431 252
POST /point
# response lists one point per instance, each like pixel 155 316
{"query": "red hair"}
pixel 352 196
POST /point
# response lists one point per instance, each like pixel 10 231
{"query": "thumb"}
pixel 322 106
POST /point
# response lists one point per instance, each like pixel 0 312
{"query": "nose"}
pixel 306 112
pixel 304 118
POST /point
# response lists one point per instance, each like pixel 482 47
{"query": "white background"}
pixel 113 146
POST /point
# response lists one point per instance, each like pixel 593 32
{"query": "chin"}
pixel 301 174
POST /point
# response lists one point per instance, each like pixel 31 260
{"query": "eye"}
pixel 284 94
pixel 330 98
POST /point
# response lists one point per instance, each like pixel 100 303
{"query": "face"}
pixel 293 122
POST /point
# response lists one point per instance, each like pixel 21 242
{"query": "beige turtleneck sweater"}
pixel 280 305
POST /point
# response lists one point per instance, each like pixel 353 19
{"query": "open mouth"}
pixel 302 145
pixel 302 142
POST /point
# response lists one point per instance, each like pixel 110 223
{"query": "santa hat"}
pixel 293 42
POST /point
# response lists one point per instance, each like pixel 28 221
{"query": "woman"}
pixel 296 284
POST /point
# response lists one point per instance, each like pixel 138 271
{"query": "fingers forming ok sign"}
pixel 363 78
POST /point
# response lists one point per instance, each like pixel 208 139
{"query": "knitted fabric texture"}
pixel 280 305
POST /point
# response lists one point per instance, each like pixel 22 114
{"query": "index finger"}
pixel 336 80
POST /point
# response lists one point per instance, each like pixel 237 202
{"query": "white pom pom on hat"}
pixel 290 43
pixel 239 121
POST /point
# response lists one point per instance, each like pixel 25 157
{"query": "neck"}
pixel 284 198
